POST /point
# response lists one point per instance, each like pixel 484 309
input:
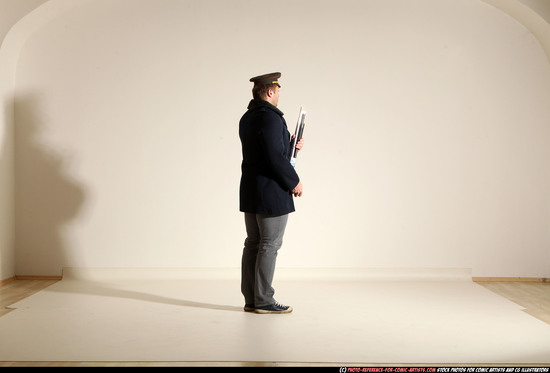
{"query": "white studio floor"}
pixel 354 317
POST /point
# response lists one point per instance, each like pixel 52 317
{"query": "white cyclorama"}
pixel 427 141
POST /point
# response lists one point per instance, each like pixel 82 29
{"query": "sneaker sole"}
pixel 264 312
pixel 249 309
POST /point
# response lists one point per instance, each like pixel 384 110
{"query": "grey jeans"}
pixel 264 239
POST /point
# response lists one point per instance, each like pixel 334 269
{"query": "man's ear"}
pixel 270 92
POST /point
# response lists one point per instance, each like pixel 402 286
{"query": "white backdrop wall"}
pixel 426 142
pixel 11 11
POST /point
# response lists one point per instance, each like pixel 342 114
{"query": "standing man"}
pixel 268 183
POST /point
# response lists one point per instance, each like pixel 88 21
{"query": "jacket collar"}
pixel 254 104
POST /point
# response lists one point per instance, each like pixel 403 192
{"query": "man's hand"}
pixel 298 190
pixel 299 144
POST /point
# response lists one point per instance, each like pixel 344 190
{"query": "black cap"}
pixel 272 78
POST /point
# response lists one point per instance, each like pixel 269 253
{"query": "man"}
pixel 268 183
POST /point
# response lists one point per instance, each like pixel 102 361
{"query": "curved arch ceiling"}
pixel 533 14
pixel 17 10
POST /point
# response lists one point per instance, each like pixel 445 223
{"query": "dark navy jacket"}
pixel 267 175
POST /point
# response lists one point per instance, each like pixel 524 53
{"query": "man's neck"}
pixel 256 103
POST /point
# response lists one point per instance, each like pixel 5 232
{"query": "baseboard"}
pixel 22 277
pixel 7 281
pixel 510 279
pixel 475 279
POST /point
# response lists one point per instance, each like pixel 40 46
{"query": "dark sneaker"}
pixel 274 308
pixel 249 308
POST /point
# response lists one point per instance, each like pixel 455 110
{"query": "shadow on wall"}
pixel 47 198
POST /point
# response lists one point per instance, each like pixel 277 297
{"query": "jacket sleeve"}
pixel 277 149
